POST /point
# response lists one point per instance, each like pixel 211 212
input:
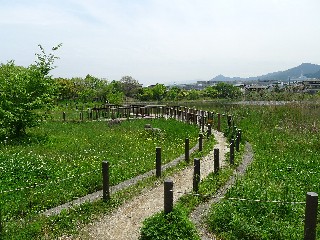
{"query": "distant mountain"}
pixel 313 75
pixel 307 69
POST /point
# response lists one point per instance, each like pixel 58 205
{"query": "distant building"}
pixel 299 79
pixel 311 85
pixel 256 88
pixel 241 86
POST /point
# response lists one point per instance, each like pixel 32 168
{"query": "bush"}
pixel 174 225
pixel 23 91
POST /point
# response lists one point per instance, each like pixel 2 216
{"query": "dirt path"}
pixel 126 221
pixel 199 214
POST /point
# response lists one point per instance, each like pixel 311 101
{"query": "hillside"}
pixel 313 75
pixel 307 69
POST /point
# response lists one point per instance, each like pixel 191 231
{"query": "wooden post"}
pixel 105 181
pixel 216 163
pixel 219 122
pixel 158 161
pixel 200 141
pixel 209 132
pixel 186 150
pixel 232 151
pixel 239 134
pixel 168 196
pixel 196 174
pixel 229 121
pixel 202 121
pixel 237 143
pixel 311 216
pixel 64 116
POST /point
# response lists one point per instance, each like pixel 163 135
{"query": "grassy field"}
pixel 286 166
pixel 60 161
pixel 269 201
pixel 285 141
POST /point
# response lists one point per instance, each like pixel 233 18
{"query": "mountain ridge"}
pixel 306 69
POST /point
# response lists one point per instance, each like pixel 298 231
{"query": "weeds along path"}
pixel 199 214
pixel 126 221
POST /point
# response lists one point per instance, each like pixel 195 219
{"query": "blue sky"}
pixel 162 41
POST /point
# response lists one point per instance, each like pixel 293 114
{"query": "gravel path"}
pixel 199 214
pixel 126 221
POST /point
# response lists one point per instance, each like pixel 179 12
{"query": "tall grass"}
pixel 60 161
pixel 287 150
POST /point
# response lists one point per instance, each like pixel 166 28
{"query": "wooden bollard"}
pixel 168 196
pixel 232 151
pixel 196 174
pixel 229 120
pixel 81 116
pixel 158 161
pixel 105 181
pixel 237 143
pixel 216 162
pixel 64 116
pixel 209 132
pixel 202 121
pixel 219 122
pixel 200 141
pixel 310 224
pixel 186 150
pixel 239 134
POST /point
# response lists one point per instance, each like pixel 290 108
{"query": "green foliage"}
pixel 74 151
pixel 90 89
pixel 174 94
pixel 194 94
pixel 228 91
pixel 157 93
pixel 174 225
pixel 145 94
pixel 130 86
pixel 113 93
pixel 23 91
pixel 211 92
pixel 286 145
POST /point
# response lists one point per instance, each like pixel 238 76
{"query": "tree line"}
pixel 28 93
pixel 94 89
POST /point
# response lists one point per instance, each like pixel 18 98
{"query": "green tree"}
pixel 173 94
pixel 194 94
pixel 159 91
pixel 145 94
pixel 114 93
pixel 130 86
pixel 67 89
pixel 210 92
pixel 23 91
pixel 226 90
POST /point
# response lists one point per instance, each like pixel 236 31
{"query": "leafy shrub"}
pixel 24 90
pixel 174 225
